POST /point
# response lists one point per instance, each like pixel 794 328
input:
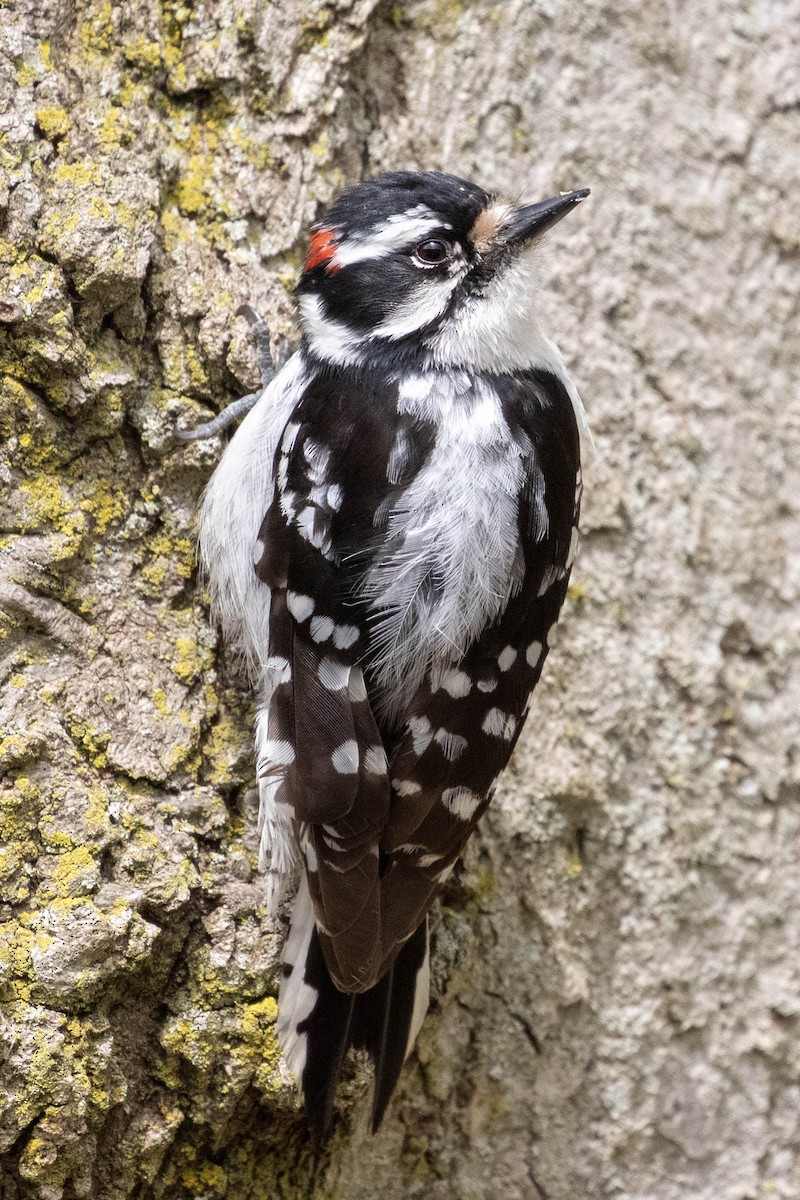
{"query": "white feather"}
pixel 450 560
pixel 394 233
pixel 422 994
pixel 296 999
pixel 233 507
pixel 426 304
pixel 235 501
pixel 331 340
pixel 278 853
pixel 497 330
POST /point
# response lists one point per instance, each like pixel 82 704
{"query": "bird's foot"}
pixel 239 408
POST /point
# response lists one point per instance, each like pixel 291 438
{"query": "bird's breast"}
pixel 450 555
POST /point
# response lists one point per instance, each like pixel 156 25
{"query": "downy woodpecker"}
pixel 388 540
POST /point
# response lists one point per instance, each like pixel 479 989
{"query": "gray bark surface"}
pixel 617 974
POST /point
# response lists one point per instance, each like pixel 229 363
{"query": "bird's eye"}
pixel 432 251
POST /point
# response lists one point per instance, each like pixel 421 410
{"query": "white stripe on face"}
pixel 337 342
pixel 397 231
pixel 330 340
pixel 427 303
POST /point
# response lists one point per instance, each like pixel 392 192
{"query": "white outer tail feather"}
pixel 296 999
pixel 278 854
pixel 422 994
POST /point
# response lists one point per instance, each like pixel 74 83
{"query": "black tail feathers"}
pixel 328 1031
pixel 387 1018
pixel 317 1024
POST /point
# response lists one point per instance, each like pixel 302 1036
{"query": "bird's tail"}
pixel 317 1023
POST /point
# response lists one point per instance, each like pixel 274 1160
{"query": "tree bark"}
pixel 617 988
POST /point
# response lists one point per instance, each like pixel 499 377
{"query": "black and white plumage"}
pixel 388 539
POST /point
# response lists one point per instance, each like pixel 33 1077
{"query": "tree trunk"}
pixel 617 988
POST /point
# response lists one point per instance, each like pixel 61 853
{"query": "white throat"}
pixel 497 332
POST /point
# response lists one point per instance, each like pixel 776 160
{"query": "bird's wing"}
pixel 323 746
pixel 464 722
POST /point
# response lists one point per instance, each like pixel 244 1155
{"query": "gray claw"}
pixel 238 408
pixel 233 411
pixel 285 352
pixel 259 327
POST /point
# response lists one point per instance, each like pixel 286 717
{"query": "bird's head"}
pixel 414 266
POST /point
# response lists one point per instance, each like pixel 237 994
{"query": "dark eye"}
pixel 433 251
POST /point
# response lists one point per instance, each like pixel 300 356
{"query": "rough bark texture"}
pixel 618 966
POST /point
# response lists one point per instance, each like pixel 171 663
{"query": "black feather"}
pixel 328 1029
pixel 392 1007
pixel 378 1021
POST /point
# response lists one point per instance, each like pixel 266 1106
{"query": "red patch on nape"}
pixel 321 251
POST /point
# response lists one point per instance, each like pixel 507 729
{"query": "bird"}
pixel 388 540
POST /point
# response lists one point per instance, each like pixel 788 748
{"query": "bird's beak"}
pixel 534 219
